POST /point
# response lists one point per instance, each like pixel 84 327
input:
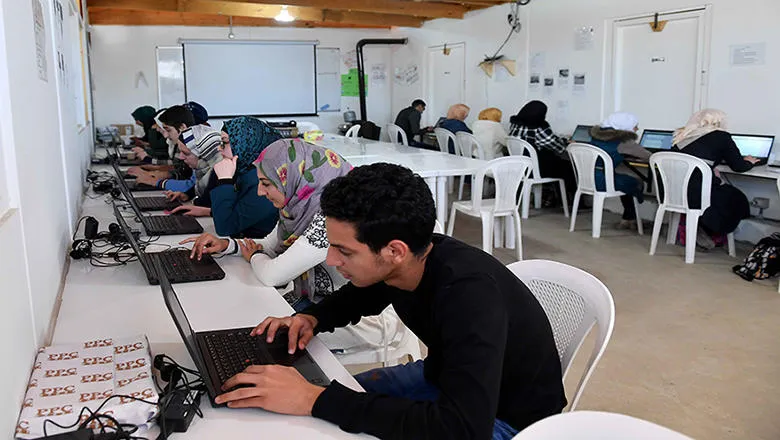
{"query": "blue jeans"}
pixel 408 381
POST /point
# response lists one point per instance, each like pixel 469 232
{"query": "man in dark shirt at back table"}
pixel 409 121
pixel 492 367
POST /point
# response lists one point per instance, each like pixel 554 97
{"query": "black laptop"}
pixel 130 181
pixel 657 140
pixel 162 224
pixel 756 145
pixel 176 263
pixel 221 354
pixel 582 134
pixel 151 203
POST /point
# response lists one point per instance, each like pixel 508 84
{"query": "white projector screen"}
pixel 256 78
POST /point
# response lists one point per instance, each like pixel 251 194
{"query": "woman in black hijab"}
pixel 530 124
pixel 152 141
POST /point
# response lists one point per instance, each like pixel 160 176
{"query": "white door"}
pixel 659 76
pixel 446 75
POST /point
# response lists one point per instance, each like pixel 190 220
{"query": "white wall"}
pixel 45 190
pixel 119 53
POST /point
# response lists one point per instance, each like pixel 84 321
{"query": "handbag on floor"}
pixel 763 261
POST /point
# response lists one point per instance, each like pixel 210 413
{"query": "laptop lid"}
pixel 758 146
pixel 183 325
pixel 143 257
pixel 582 134
pixel 126 193
pixel 657 139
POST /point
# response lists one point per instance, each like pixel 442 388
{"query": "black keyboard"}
pixel 178 265
pixel 171 225
pixel 132 185
pixel 156 204
pixel 179 268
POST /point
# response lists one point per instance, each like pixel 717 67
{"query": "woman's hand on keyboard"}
pixel 205 244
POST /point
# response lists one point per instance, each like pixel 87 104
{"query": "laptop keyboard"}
pixel 234 350
pixel 177 265
pixel 158 224
pixel 156 203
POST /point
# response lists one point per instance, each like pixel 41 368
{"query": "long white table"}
pixel 434 166
pixel 115 302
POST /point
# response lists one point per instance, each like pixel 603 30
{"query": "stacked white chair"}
pixel 519 147
pixel 508 173
pixel 574 302
pixel 584 158
pixel 675 171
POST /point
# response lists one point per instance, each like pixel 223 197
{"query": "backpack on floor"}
pixel 763 261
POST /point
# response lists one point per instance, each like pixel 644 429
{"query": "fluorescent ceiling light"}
pixel 284 16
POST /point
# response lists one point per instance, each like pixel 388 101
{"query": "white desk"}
pixel 434 166
pixel 118 301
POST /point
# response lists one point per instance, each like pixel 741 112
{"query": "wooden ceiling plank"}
pixel 109 16
pixel 397 7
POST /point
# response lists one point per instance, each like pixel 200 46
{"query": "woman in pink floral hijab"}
pixel 300 172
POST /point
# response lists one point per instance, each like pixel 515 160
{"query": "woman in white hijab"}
pixel 617 136
pixel 705 137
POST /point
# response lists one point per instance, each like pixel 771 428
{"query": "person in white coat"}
pixel 490 133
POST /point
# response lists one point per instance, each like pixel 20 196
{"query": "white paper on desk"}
pixel 67 378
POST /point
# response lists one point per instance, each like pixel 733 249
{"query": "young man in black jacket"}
pixel 492 367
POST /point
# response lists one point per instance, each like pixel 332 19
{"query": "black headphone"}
pixel 81 249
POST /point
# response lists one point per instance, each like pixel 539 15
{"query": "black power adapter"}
pixel 177 414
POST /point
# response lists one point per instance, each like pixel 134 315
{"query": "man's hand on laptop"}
pixel 205 244
pixel 300 330
pixel 271 387
pixel 176 195
pixel 751 159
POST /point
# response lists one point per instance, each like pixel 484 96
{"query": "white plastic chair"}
pixel 388 351
pixel 352 133
pixel 675 171
pixel 574 302
pixel 467 145
pixel 443 138
pixel 395 132
pixel 508 173
pixel 596 425
pixel 583 158
pixel 519 147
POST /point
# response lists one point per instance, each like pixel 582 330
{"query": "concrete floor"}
pixel 695 348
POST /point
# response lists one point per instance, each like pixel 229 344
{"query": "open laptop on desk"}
pixel 123 158
pixel 221 354
pixel 657 140
pixel 175 263
pixel 582 134
pixel 162 224
pixel 151 203
pixel 756 145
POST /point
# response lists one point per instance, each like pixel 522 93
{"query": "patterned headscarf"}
pixel 203 141
pixel 248 138
pixel 300 171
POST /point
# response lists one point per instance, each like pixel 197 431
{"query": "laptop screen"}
pixel 126 192
pixel 657 139
pixel 182 324
pixel 582 133
pixel 142 257
pixel 754 145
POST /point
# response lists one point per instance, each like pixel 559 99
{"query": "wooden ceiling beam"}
pixel 129 17
pixel 397 7
pixel 241 9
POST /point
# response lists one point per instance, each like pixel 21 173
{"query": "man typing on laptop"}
pixel 492 367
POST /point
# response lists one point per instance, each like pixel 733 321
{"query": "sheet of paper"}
pixel 748 54
pixel 350 84
pixel 538 60
pixel 534 82
pixel 39 25
pixel 579 86
pixel 563 77
pixel 584 37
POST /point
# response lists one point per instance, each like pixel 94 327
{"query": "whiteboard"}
pixel 170 76
pixel 328 79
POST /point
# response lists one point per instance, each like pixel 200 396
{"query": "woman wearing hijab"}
pixel 292 174
pixel 490 133
pixel 705 137
pixel 199 112
pixel 456 115
pixel 617 136
pixel 152 141
pixel 530 124
pixel 230 192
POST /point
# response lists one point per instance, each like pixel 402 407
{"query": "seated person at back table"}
pixel 229 192
pixel 617 136
pixel 456 115
pixel 705 137
pixel 492 367
pixel 174 121
pixel 296 249
pixel 530 124
pixel 408 120
pixel 490 133
pixel 152 143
